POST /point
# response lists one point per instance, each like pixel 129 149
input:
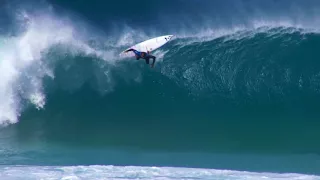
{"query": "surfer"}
pixel 144 55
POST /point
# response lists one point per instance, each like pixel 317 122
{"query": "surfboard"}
pixel 148 45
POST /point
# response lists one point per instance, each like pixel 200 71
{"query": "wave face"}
pixel 218 93
pixel 244 86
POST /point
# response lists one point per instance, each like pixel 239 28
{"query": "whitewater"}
pixel 126 173
pixel 22 61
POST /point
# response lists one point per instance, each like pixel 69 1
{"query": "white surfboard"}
pixel 148 45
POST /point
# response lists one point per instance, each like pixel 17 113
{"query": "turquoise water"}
pixel 238 95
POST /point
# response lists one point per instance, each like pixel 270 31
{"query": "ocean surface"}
pixel 234 95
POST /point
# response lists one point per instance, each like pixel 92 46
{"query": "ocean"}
pixel 234 95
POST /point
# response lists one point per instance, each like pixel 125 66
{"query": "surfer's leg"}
pixel 147 60
pixel 154 60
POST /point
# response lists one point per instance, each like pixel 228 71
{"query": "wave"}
pixel 216 92
pixel 265 60
pixel 244 65
pixel 265 64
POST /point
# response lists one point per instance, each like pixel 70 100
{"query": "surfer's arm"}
pixel 148 52
pixel 129 50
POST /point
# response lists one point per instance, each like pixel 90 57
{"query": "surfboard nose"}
pixel 168 37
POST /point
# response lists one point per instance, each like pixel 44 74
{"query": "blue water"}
pixel 237 89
